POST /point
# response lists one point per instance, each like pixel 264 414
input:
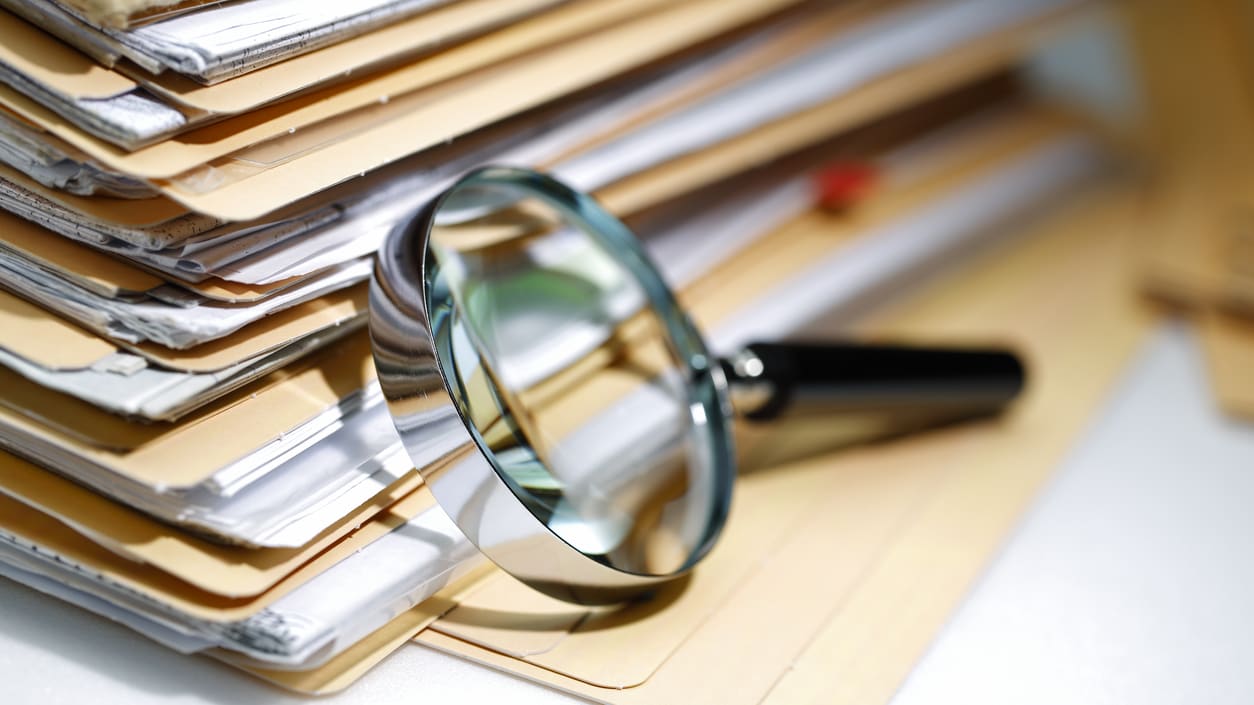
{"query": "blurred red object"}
pixel 843 184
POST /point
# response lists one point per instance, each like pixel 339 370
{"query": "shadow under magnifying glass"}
pixel 569 617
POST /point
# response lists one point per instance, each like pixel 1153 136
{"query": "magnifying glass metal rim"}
pixel 442 442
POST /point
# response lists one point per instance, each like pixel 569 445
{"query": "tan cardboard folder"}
pixel 835 572
pixel 248 174
pixel 60 68
pixel 273 172
pixel 46 61
pixel 28 331
pixel 487 96
pixel 1228 340
pixel 193 450
pixel 864 106
pixel 112 276
pixel 225 571
pixel 248 590
pixel 771 261
pixel 1199 209
pixel 94 271
pixel 68 72
pixel 567 21
pixel 118 211
pixel 121 14
pixel 437 28
pixel 267 334
pixel 258 338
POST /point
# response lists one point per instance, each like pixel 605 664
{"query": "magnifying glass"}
pixel 582 427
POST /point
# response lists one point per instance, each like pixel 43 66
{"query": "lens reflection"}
pixel 566 375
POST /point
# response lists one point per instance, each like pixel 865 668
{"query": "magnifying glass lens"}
pixel 576 374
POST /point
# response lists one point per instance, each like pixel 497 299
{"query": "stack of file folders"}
pixel 194 444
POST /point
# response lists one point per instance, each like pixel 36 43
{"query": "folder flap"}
pixel 122 13
pixel 436 28
pixel 57 66
pixel 959 529
pixel 237 292
pixel 196 147
pixel 93 270
pixel 69 421
pixel 533 625
pixel 830 608
pixel 117 211
pixel 187 453
pixel 1203 194
pixel 504 616
pixel 1228 340
pixel 49 341
pixel 270 333
pixel 53 343
pixel 353 663
pixel 242 184
pixel 1199 206
pixel 417 122
pixel 775 549
pixel 56 538
pixel 229 571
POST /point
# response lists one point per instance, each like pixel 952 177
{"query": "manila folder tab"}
pixel 266 335
pixel 125 212
pixel 89 268
pixel 1228 340
pixel 354 662
pixel 189 452
pixel 58 542
pixel 468 105
pixel 217 568
pixel 438 28
pixel 823 558
pixel 55 66
pixel 465 103
pixel 53 343
pixel 48 341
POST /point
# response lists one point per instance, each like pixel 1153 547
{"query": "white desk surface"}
pixel 1131 580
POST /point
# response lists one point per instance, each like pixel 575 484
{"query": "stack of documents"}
pixel 192 194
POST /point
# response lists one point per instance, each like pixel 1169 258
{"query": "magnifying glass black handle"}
pixel 912 385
